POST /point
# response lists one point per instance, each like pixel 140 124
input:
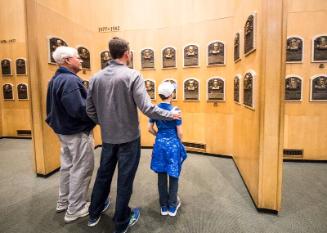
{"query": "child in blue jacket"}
pixel 168 153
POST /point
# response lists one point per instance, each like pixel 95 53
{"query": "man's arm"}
pixel 143 102
pixel 90 107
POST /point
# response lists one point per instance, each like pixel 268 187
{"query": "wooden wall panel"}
pixel 246 121
pixel 257 149
pixel 305 121
pixel 46 143
pixel 15 115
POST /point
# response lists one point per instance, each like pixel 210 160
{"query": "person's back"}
pixel 112 92
pixel 115 94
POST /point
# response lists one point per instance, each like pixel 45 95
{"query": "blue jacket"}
pixel 66 104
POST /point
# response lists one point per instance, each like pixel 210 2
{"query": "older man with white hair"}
pixel 66 115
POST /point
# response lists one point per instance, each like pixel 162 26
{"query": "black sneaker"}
pixel 94 221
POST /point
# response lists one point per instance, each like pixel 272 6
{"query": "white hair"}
pixel 63 52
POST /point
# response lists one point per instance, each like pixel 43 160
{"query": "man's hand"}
pixel 177 115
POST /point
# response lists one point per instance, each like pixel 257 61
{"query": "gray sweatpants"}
pixel 77 164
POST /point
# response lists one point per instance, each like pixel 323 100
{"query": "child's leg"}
pixel 163 189
pixel 173 189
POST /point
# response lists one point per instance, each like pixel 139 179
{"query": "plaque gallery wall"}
pixel 215 53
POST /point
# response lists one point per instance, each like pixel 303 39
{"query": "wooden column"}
pixel 46 150
pixel 271 114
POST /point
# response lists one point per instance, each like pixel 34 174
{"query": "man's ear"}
pixel 67 61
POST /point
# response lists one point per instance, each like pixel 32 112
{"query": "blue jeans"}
pixel 128 156
pixel 167 198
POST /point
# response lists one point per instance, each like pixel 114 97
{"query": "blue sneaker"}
pixel 164 210
pixel 106 205
pixel 94 221
pixel 135 215
pixel 173 210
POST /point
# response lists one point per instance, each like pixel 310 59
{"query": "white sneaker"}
pixel 61 207
pixel 79 214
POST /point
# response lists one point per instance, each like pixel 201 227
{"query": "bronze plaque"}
pixel 319 88
pixel 237 47
pixel 175 84
pixel 22 91
pixel 248 90
pixel 293 88
pixel 84 54
pixel 236 89
pixel 191 89
pixel 150 87
pixel 6 67
pixel 86 84
pixel 147 59
pixel 131 61
pixel 320 49
pixel 191 55
pixel 169 57
pixel 20 66
pixel 105 58
pixel 7 92
pixel 216 90
pixel 294 49
pixel 216 53
pixel 53 44
pixel 249 34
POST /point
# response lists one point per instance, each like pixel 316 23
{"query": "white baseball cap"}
pixel 166 89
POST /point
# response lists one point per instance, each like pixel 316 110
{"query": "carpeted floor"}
pixel 214 198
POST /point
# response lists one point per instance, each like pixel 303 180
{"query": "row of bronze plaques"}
pixel 191 89
pixel 295 49
pixel 294 88
pixel 20 67
pixel 216 89
pixel 216 51
pixel 8 91
pixel 215 54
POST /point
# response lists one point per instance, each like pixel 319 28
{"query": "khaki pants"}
pixel 77 164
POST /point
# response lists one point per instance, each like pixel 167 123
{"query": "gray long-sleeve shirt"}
pixel 114 95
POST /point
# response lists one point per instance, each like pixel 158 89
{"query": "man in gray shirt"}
pixel 115 94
